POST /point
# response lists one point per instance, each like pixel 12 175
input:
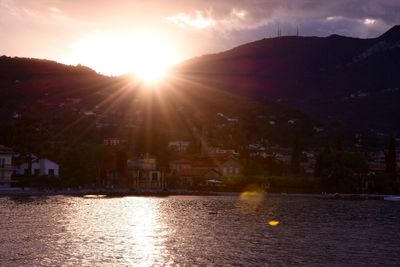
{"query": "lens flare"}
pixel 253 195
pixel 273 223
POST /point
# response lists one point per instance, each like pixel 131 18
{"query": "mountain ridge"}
pixel 318 75
pixel 69 104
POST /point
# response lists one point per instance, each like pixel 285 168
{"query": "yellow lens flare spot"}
pixel 273 223
pixel 252 195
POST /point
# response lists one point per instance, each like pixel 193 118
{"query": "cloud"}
pixel 54 9
pixel 368 21
pixel 234 19
pixel 234 15
pixel 199 20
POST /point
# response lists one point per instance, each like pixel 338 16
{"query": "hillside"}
pixel 349 80
pixel 44 103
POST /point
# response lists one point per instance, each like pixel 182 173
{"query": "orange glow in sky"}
pixel 145 55
pixel 146 37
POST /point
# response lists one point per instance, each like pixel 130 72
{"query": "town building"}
pixel 113 141
pixel 144 173
pixel 220 152
pixel 178 146
pixel 40 167
pixel 197 172
pixel 5 166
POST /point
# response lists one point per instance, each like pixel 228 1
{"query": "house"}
pixel 217 151
pixel 5 166
pixel 318 129
pixel 40 167
pixel 178 146
pixel 16 115
pixel 197 176
pixel 257 150
pixel 181 164
pixel 230 168
pixel 113 141
pixel 284 158
pixel 181 170
pixel 377 161
pixel 308 162
pixel 145 174
pixel 197 172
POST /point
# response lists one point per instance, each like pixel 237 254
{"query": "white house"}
pixel 40 167
pixel 5 166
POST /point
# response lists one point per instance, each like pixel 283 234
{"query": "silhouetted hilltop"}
pixel 351 80
pixel 59 103
pixel 19 67
pixel 393 34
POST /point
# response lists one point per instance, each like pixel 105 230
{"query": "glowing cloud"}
pixel 369 21
pixel 334 18
pixel 197 21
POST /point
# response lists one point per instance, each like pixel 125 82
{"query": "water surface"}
pixel 194 230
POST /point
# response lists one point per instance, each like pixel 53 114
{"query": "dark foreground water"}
pixel 190 230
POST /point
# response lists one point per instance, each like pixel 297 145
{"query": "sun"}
pixel 151 73
pixel 147 56
pixel 151 58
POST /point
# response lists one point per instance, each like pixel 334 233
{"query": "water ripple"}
pixel 190 230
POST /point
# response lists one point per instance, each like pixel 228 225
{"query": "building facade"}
pixel 144 173
pixel 40 167
pixel 5 166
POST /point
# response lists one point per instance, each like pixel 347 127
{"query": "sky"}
pixel 116 36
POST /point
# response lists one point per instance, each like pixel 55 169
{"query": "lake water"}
pixel 194 230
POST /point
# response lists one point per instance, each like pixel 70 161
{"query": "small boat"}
pixel 392 198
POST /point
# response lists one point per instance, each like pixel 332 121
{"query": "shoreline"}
pixel 17 192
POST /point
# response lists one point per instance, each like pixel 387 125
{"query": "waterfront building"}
pixel 5 166
pixel 144 173
pixel 196 172
pixel 40 167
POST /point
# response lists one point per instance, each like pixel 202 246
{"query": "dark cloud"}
pixel 358 18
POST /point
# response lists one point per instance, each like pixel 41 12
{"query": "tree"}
pixel 391 157
pixel 81 164
pixel 391 165
pixel 122 168
pixel 295 160
pixel 340 171
pixel 29 135
pixel 321 162
pixel 339 145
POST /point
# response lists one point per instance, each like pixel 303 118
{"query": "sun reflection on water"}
pixel 173 231
pixel 125 230
pixel 145 228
